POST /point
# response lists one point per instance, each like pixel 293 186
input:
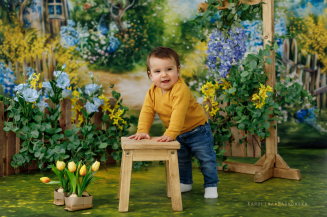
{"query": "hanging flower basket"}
pixel 78 203
pixel 59 198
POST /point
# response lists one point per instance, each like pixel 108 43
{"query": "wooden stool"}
pixel 149 150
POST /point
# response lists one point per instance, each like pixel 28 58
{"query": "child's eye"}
pixel 157 71
pixel 169 69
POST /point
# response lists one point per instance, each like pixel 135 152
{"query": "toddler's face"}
pixel 164 69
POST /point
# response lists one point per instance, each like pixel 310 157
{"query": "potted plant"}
pixel 79 180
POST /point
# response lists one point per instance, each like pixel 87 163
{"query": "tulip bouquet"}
pixel 80 179
pixel 61 173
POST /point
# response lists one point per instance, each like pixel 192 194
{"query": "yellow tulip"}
pixel 71 167
pixel 82 171
pixel 60 165
pixel 95 166
pixel 45 179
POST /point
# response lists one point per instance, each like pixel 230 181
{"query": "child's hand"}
pixel 164 138
pixel 139 136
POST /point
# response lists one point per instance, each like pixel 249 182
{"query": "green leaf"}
pixel 245 7
pixel 253 64
pixel 245 73
pixel 58 130
pixel 266 52
pixel 267 125
pixel 105 118
pixel 103 145
pixel 35 134
pixel 241 126
pixel 269 61
pixel 232 90
pixel 37 118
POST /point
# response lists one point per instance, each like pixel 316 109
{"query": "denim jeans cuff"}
pixel 186 183
pixel 210 185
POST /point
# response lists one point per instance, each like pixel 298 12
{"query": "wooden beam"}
pixel 204 6
pixel 240 167
pixel 280 163
pixel 263 174
pixel 287 173
pixel 268 35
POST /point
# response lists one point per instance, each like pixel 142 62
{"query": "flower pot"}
pixel 78 203
pixel 59 198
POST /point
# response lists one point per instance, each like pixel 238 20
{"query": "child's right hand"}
pixel 139 136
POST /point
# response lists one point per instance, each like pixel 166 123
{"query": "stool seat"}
pixel 149 150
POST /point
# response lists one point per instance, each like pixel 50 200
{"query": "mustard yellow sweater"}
pixel 177 109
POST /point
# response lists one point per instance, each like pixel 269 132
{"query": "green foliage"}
pixel 242 111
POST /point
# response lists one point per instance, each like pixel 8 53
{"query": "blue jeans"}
pixel 199 142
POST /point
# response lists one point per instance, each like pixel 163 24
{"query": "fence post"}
pixel 317 87
pixel 45 68
pixel 313 75
pixel 24 69
pixel 50 63
pixel 307 74
pixel 65 119
pixel 286 53
pixel 323 83
pixel 10 149
pixel 17 70
pixel 37 64
pixel 2 138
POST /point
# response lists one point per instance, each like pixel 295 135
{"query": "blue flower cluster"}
pixel 7 79
pixel 224 53
pixel 113 44
pixel 69 36
pixel 309 117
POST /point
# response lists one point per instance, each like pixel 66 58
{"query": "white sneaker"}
pixel 185 187
pixel 211 192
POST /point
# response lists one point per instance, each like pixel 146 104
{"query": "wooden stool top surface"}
pixel 131 144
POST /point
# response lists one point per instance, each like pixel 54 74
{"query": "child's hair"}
pixel 162 53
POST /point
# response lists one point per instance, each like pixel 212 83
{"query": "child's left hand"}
pixel 164 138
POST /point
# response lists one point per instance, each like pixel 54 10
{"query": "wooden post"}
pixel 98 119
pixel 10 149
pixel 32 63
pixel 37 63
pixel 268 35
pixel 65 119
pixel 323 83
pixel 307 74
pixel 286 53
pixel 45 68
pixel 25 70
pixel 317 87
pixel 50 63
pixel 313 75
pixel 2 138
pixel 17 70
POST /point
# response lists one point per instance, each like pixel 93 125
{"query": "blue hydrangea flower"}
pixel 68 35
pixel 63 81
pixel 47 85
pixel 91 89
pixel 42 105
pixel 66 93
pixel 97 101
pixel 30 95
pixel 90 107
pixel 113 44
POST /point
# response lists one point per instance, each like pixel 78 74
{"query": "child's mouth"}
pixel 165 81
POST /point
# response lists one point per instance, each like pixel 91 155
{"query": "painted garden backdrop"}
pixel 112 39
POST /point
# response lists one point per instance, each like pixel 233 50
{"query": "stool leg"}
pixel 176 195
pixel 119 186
pixel 125 180
pixel 167 179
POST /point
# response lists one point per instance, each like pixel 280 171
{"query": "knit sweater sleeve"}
pixel 147 113
pixel 180 103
